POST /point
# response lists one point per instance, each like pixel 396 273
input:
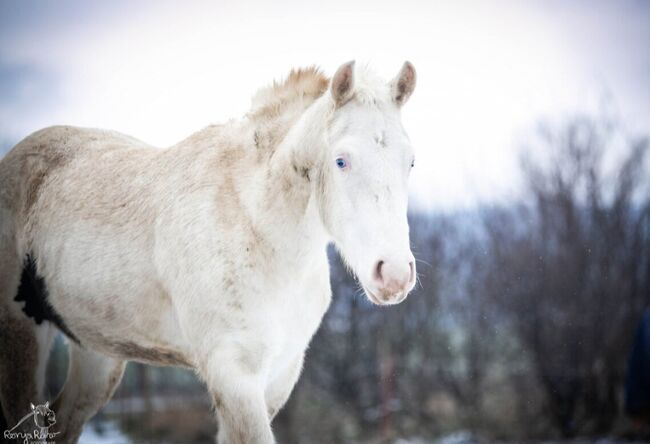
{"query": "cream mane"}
pixel 276 108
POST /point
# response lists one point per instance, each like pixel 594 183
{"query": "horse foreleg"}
pixel 238 395
pixel 278 391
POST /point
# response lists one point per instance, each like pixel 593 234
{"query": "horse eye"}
pixel 412 163
pixel 341 163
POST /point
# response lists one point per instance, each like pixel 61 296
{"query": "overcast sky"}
pixel 488 72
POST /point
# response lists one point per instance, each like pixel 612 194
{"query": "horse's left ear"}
pixel 32 406
pixel 47 404
pixel 342 86
pixel 403 85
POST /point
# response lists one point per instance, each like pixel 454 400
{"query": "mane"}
pixel 276 108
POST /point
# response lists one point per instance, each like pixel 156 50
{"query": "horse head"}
pixel 364 180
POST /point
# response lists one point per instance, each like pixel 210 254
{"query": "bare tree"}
pixel 569 268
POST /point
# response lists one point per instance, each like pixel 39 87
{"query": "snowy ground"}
pixel 106 433
pixel 109 433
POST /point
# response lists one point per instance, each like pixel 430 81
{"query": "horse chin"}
pixel 372 297
pixel 379 301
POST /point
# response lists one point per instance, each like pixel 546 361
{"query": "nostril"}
pixel 412 275
pixel 378 271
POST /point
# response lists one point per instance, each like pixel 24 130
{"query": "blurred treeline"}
pixel 519 328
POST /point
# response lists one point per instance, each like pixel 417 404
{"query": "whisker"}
pixel 423 262
pixel 360 291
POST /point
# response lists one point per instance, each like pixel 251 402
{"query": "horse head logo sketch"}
pixel 44 417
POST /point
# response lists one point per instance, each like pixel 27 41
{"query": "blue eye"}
pixel 341 163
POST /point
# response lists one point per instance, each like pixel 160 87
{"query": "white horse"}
pixel 210 254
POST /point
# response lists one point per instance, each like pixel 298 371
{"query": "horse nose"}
pixel 393 279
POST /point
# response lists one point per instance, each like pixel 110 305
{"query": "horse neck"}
pixel 289 200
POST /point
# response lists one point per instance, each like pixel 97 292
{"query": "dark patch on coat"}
pixel 302 171
pixel 33 291
pixel 159 356
pixel 256 138
pixel 218 403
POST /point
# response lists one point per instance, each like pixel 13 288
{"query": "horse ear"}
pixel 343 83
pixel 32 406
pixel 403 85
pixel 47 404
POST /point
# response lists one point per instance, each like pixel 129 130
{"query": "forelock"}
pixel 370 89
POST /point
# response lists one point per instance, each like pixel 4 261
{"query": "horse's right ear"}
pixel 403 85
pixel 343 84
pixel 32 406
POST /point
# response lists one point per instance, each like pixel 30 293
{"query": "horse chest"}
pixel 296 315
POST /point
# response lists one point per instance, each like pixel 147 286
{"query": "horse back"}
pixel 38 158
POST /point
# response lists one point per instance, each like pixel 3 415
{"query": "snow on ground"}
pixel 107 432
pixel 103 433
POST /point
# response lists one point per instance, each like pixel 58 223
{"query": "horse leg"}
pixel 92 379
pixel 24 344
pixel 278 391
pixel 24 351
pixel 238 395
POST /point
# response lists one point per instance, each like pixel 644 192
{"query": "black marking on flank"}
pixel 33 291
